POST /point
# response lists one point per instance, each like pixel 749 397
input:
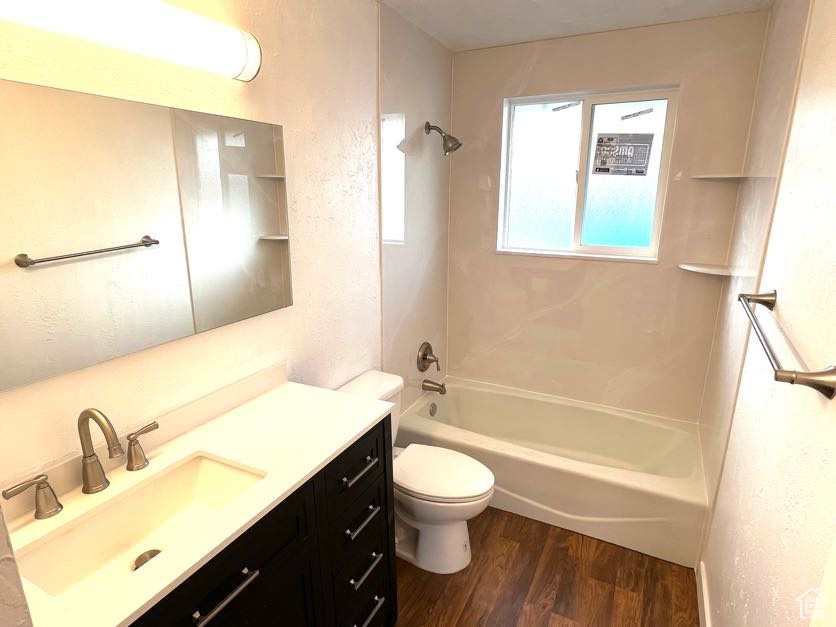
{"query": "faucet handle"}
pixel 427 357
pixel 46 503
pixel 136 456
pixel 132 437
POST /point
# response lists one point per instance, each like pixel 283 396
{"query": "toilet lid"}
pixel 440 474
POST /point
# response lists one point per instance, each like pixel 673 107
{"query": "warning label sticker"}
pixel 623 153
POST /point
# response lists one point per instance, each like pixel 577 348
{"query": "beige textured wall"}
pixel 775 519
pixel 13 610
pixel 319 80
pixel 630 335
pixel 416 74
pixel 767 138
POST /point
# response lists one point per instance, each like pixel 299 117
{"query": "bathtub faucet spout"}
pixel 432 386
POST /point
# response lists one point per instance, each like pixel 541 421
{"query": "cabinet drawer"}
pixel 355 469
pixel 361 523
pixel 371 609
pixel 361 575
pixel 283 593
pixel 283 530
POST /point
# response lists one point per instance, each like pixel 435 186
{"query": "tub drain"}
pixel 433 409
pixel 145 557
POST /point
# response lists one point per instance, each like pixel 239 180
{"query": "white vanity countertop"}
pixel 290 433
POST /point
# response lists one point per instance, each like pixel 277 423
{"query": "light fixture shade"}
pixel 148 27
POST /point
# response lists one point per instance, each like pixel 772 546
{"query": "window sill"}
pixel 566 254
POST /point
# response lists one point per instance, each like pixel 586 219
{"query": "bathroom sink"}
pixel 156 515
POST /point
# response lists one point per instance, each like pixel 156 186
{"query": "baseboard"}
pixel 702 596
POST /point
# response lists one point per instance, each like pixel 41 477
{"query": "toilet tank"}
pixel 382 386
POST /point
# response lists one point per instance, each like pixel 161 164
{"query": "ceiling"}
pixel 469 24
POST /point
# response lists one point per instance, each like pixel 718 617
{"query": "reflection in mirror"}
pixel 393 177
pixel 80 172
pixel 229 192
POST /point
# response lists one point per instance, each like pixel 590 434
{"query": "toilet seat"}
pixel 441 475
pixel 441 499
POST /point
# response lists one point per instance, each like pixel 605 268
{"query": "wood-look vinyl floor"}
pixel 527 573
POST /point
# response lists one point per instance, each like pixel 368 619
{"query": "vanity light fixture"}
pixel 152 28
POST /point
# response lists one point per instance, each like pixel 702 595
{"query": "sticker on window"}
pixel 623 153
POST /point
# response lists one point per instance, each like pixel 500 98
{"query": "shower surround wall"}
pixel 773 536
pixel 764 156
pixel 631 335
pixel 416 73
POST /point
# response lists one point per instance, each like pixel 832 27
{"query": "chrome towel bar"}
pixel 824 381
pixel 24 261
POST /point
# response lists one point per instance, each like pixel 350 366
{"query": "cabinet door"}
pixel 284 593
pixel 280 537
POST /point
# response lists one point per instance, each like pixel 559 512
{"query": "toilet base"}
pixel 442 548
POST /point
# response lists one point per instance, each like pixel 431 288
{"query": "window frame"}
pixel 588 101
pixel 385 209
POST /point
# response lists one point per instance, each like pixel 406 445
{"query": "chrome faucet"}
pixel 92 474
pixel 432 386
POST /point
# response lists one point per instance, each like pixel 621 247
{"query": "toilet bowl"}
pixel 437 490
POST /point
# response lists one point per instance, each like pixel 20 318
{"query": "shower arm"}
pixel 432 127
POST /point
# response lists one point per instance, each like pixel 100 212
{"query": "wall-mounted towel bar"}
pixel 24 261
pixel 824 380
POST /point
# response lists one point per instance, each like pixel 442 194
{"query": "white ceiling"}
pixel 469 24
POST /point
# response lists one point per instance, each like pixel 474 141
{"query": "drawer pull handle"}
pixel 379 603
pixel 376 557
pixel 373 511
pixel 199 620
pixel 371 462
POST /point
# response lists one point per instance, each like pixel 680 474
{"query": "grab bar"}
pixel 824 381
pixel 24 261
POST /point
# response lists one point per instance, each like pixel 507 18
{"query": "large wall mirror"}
pixel 81 173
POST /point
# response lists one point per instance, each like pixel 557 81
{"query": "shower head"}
pixel 449 143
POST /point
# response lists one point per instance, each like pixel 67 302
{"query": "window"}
pixel 392 178
pixel 585 174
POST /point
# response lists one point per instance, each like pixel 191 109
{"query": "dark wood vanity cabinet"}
pixel 324 556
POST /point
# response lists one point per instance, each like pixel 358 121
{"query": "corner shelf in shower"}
pixel 278 177
pixel 714 269
pixel 274 238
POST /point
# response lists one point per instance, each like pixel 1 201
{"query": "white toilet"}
pixel 436 490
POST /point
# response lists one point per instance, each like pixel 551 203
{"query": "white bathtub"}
pixel 628 478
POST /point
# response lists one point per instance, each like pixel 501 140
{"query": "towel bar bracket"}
pixel 823 381
pixel 767 299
